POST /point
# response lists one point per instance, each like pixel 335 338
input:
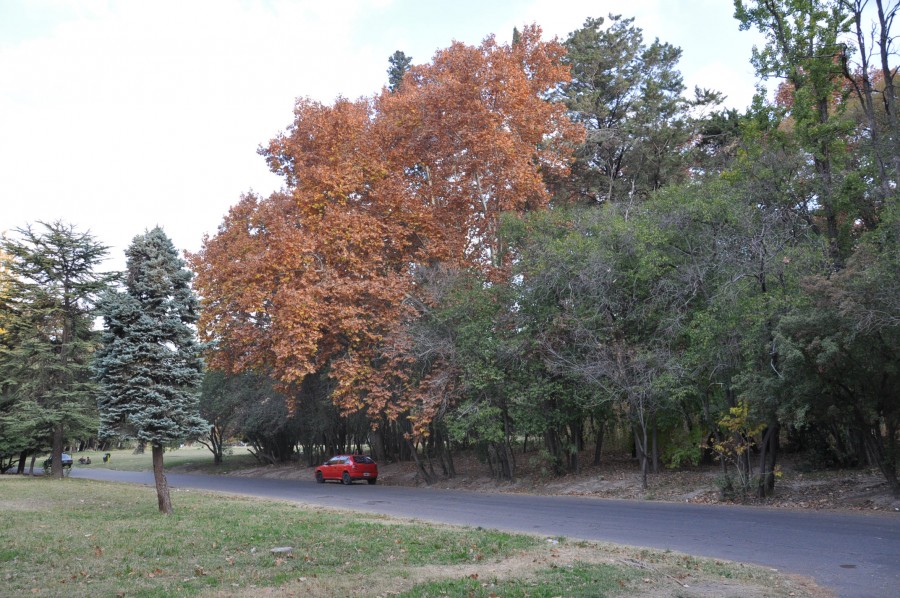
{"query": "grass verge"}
pixel 85 538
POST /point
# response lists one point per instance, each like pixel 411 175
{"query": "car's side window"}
pixel 334 461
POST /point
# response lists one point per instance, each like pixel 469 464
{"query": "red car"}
pixel 347 468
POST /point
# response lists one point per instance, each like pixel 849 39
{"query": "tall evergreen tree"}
pixel 149 365
pixel 47 312
pixel 628 96
pixel 400 63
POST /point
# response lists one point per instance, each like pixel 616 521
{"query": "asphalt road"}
pixel 855 555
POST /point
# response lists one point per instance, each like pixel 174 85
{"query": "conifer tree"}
pixel 46 314
pixel 149 365
pixel 400 63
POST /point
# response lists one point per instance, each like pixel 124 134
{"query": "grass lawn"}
pixel 197 456
pixel 76 537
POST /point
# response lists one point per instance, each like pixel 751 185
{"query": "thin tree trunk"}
pixel 216 442
pixel 640 446
pixel 426 477
pixel 162 486
pixel 598 445
pixel 448 458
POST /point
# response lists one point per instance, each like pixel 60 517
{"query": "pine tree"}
pixel 400 63
pixel 46 314
pixel 149 366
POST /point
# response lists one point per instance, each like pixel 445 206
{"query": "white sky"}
pixel 118 116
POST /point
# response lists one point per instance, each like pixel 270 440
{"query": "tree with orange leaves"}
pixel 318 278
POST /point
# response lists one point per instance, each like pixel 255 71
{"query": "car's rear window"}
pixel 363 459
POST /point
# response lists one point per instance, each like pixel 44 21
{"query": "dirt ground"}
pixel 619 477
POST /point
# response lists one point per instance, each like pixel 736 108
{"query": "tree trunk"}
pixel 442 447
pixel 640 447
pixel 56 456
pixel 376 443
pixel 162 486
pixel 426 477
pixel 509 456
pixel 554 448
pixel 875 446
pixel 768 448
pixel 499 455
pixel 598 445
pixel 216 444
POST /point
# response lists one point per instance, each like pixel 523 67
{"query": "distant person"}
pixel 106 458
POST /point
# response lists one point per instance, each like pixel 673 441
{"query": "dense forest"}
pixel 536 246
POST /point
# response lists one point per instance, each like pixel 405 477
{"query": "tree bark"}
pixel 426 477
pixel 598 445
pixel 768 453
pixel 56 456
pixel 640 446
pixel 376 443
pixel 162 486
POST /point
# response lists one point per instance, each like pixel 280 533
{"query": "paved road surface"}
pixel 858 556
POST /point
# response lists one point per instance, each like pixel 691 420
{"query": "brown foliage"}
pixel 317 278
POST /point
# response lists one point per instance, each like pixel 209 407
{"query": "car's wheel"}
pixel 319 477
pixel 372 480
pixel 345 479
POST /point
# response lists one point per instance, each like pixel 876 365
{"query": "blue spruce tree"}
pixel 149 366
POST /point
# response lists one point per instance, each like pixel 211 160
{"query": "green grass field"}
pixel 75 537
pixel 196 456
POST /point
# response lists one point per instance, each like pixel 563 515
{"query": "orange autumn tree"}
pixel 317 278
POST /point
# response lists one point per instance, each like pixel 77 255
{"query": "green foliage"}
pixel 628 95
pixel 400 63
pixel 684 448
pixel 46 392
pixel 806 46
pixel 149 366
pixel 223 401
pixel 842 348
pixel 592 303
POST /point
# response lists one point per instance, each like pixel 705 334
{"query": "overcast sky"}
pixel 118 116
